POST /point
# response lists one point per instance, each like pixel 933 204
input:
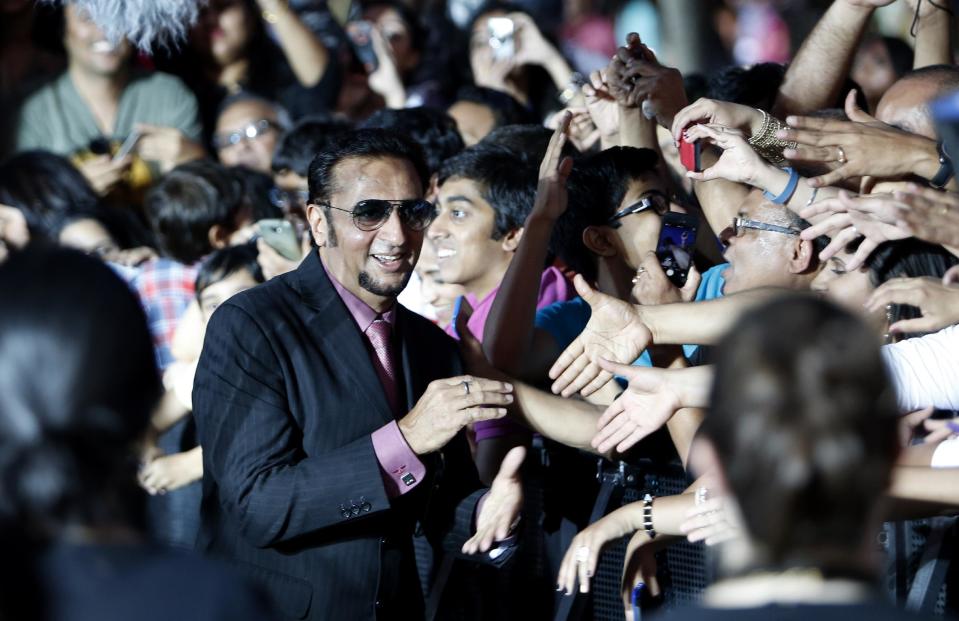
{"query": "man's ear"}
pixel 803 257
pixel 510 241
pixel 316 216
pixel 601 240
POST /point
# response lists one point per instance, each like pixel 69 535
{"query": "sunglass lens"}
pixel 418 214
pixel 371 213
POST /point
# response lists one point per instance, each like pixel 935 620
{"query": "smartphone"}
pixel 127 146
pixel 361 39
pixel 677 241
pixel 690 155
pixel 280 235
pixel 501 37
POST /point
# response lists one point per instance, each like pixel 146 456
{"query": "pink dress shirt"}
pixel 401 468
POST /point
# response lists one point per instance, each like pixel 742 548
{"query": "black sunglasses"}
pixel 372 213
pixel 654 199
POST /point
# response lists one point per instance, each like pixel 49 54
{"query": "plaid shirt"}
pixel 166 288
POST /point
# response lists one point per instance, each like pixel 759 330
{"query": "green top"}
pixel 56 119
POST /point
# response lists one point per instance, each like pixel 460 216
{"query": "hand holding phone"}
pixel 361 39
pixel 280 235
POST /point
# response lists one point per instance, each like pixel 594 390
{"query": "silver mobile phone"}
pixel 127 145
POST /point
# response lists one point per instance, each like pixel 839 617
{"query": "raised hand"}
pixel 938 302
pixel 645 406
pixel 551 195
pixel 712 112
pixel 651 286
pixel 14 232
pixel 860 147
pixel 615 331
pixel 501 508
pixel 602 107
pixel 932 215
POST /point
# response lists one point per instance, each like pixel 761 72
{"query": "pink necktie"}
pixel 379 333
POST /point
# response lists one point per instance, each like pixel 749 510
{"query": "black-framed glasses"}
pixel 372 213
pixel 288 200
pixel 250 132
pixel 654 199
pixel 741 224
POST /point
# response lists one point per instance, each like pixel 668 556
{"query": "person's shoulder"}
pixel 159 82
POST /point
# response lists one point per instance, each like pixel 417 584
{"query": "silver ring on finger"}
pixel 466 387
pixel 842 155
pixel 581 555
pixel 639 272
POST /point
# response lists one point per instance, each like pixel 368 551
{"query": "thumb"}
pixel 513 461
pixel 854 112
pixel 622 370
pixel 693 280
pixel 584 290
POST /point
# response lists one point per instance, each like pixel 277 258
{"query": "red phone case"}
pixel 689 155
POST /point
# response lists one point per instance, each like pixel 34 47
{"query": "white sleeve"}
pixel 925 370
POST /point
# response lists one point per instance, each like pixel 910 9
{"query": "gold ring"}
pixel 842 155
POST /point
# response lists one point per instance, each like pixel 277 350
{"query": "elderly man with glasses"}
pixel 331 417
pixel 247 131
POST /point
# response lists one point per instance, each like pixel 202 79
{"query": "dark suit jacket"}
pixel 285 400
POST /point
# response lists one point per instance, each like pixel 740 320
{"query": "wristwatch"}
pixel 945 172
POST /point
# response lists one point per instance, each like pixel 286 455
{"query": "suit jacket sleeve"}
pixel 252 447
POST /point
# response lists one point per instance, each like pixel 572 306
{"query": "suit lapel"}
pixel 343 343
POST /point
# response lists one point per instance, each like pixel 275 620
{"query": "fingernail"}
pixel 509 387
pixel 782 133
pixel 792 120
pixel 787 153
pixel 501 411
pixel 509 398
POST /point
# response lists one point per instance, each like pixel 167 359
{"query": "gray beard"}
pixel 148 24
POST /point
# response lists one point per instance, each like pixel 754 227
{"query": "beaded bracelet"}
pixel 648 516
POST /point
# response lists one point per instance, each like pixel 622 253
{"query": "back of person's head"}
pixel 944 77
pixel 907 258
pixel 803 423
pixel 756 86
pixel 188 202
pixel 303 141
pixel 78 383
pixel 49 191
pixel 256 192
pixel 528 141
pixel 226 262
pixel 434 130
pixel 508 184
pixel 597 186
pixel 505 109
pixel 363 144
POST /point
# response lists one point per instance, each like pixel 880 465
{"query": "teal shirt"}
pixel 56 118
pixel 565 320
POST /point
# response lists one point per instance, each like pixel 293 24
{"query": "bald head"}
pixel 906 103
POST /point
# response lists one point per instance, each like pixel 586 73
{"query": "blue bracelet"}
pixel 788 192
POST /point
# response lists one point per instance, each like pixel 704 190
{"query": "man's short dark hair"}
pixel 597 186
pixel 297 147
pixel 434 130
pixel 756 86
pixel 225 262
pixel 945 77
pixel 189 201
pixel 508 184
pixel 527 141
pixel 362 143
pixel 506 110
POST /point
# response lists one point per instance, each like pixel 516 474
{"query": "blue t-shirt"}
pixel 565 320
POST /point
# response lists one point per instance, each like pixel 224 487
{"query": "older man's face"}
pixel 246 135
pixel 759 258
pixel 374 265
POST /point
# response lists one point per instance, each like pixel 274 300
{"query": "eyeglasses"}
pixel 741 224
pixel 372 213
pixel 250 132
pixel 287 200
pixel 654 199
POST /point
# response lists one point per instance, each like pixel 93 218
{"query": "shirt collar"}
pixel 361 312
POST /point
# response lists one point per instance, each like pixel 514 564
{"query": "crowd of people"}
pixel 333 310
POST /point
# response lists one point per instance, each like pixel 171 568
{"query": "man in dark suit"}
pixel 328 434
